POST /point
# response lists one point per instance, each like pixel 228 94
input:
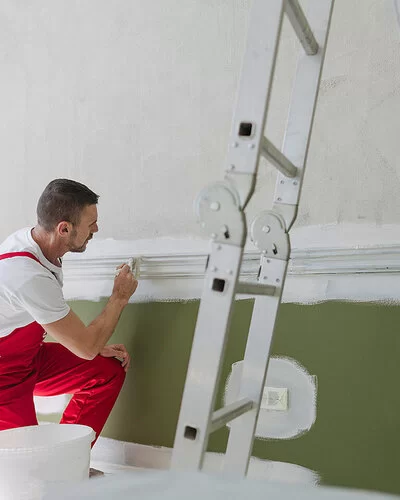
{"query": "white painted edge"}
pixel 110 452
pixel 300 416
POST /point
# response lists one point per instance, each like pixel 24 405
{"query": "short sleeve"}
pixel 42 297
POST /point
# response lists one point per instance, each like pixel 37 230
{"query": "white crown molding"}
pixel 315 274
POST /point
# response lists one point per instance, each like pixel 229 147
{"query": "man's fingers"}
pixel 123 268
pixel 126 360
pixel 120 347
pixel 118 269
pixel 125 363
pixel 124 357
pixel 119 352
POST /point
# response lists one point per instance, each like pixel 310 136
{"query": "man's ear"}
pixel 63 228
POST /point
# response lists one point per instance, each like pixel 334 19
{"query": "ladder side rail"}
pixel 253 97
pixel 212 325
pixel 206 359
pixel 302 112
pixel 241 435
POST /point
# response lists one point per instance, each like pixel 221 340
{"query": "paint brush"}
pixel 134 266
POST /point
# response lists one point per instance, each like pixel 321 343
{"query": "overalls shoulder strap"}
pixel 19 254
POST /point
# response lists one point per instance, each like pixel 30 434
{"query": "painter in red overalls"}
pixel 32 304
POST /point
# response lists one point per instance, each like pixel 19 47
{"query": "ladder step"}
pixel 278 160
pixel 244 288
pixel 301 27
pixel 224 415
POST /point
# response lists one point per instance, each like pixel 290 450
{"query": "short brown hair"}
pixel 63 200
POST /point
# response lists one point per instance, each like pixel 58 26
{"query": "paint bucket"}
pixel 35 455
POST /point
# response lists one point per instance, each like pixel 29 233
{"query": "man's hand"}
pixel 117 351
pixel 125 284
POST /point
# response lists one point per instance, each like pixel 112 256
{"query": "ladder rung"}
pixel 245 288
pixel 301 27
pixel 224 415
pixel 277 159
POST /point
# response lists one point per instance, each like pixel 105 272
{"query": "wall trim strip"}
pixel 315 275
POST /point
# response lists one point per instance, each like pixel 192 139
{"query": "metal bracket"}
pixel 243 184
pixel 218 208
pixel 268 233
pixel 288 212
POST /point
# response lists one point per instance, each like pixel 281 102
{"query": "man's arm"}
pixel 87 341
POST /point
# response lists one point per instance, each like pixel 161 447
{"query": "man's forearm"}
pixel 101 328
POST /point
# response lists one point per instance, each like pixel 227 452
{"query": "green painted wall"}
pixel 352 348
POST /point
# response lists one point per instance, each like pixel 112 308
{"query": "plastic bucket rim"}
pixel 92 435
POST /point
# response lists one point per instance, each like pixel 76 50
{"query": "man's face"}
pixel 83 232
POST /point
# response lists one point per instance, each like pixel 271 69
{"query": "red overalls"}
pixel 29 366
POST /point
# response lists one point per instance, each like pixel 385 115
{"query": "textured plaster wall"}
pixel 136 99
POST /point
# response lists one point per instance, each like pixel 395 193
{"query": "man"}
pixel 32 304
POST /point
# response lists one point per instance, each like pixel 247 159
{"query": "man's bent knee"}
pixel 111 368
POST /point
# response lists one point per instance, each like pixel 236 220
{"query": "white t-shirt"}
pixel 29 291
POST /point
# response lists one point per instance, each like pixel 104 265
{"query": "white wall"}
pixel 136 98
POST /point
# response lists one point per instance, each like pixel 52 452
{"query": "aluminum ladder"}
pixel 220 208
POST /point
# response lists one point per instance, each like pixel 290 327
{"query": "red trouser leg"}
pixel 95 384
pixel 18 374
pixel 16 406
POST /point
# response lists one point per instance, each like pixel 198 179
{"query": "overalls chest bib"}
pixel 19 349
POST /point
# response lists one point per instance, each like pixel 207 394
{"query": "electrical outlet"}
pixel 275 398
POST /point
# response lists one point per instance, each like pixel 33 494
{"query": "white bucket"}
pixel 32 456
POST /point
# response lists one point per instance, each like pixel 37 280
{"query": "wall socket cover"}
pixel 275 398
